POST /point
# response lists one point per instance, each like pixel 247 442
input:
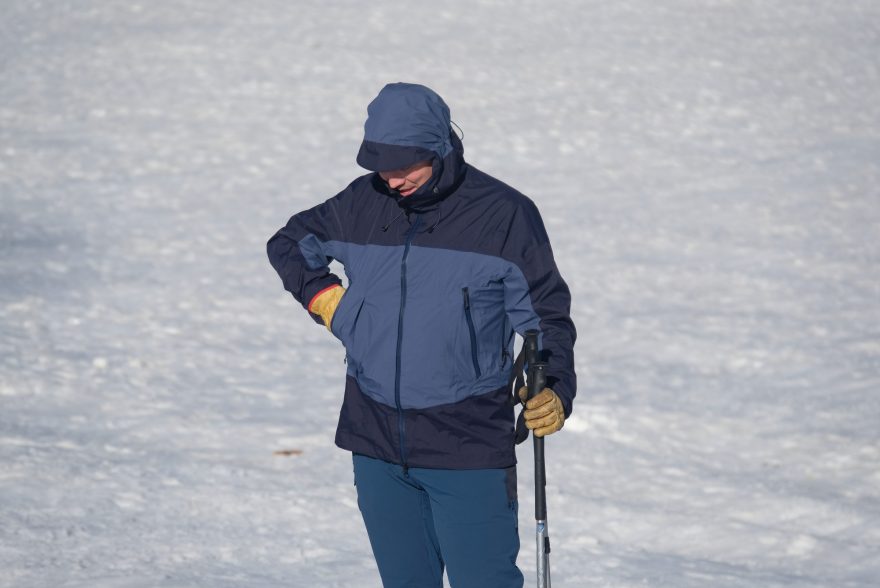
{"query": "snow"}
pixel 708 172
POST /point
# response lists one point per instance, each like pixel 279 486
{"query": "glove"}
pixel 544 413
pixel 325 303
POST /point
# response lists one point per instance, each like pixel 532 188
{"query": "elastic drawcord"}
pixel 392 221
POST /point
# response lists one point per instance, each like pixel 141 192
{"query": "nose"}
pixel 395 182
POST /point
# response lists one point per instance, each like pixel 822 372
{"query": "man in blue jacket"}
pixel 444 265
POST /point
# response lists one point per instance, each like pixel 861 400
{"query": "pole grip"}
pixel 533 355
pixel 536 381
pixel 536 376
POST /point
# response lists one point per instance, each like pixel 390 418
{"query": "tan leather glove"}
pixel 544 413
pixel 325 303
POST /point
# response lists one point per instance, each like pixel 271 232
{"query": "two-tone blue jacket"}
pixel 438 282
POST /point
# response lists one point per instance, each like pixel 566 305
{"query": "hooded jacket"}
pixel 438 282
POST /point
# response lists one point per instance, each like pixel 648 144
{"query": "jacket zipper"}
pixel 473 333
pixel 400 420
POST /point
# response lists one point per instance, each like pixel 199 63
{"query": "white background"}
pixel 708 173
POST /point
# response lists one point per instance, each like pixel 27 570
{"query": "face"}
pixel 407 181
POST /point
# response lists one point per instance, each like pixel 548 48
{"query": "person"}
pixel 444 264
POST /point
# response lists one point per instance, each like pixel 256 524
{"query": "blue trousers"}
pixel 423 520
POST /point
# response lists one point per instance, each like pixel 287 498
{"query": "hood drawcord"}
pixel 461 136
pixel 392 221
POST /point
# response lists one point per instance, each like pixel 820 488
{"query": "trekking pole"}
pixel 536 380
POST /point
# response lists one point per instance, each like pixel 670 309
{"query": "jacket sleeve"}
pixel 536 297
pixel 299 252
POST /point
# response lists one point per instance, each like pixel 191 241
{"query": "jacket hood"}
pixel 408 123
pixel 405 123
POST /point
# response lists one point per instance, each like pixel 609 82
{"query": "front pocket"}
pixel 345 318
pixel 471 330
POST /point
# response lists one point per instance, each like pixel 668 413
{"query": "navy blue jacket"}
pixel 438 283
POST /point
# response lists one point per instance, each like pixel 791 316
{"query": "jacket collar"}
pixel 447 176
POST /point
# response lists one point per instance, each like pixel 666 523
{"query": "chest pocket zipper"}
pixel 471 330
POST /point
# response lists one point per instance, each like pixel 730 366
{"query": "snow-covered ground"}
pixel 709 172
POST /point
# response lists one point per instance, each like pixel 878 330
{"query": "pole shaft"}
pixel 540 480
pixel 542 542
pixel 537 380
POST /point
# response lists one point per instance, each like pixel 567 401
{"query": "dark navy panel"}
pixel 383 157
pixel 471 434
pixel 366 426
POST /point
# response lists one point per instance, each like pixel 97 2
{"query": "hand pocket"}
pixel 345 318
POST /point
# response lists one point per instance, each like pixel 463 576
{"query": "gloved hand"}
pixel 544 413
pixel 325 303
